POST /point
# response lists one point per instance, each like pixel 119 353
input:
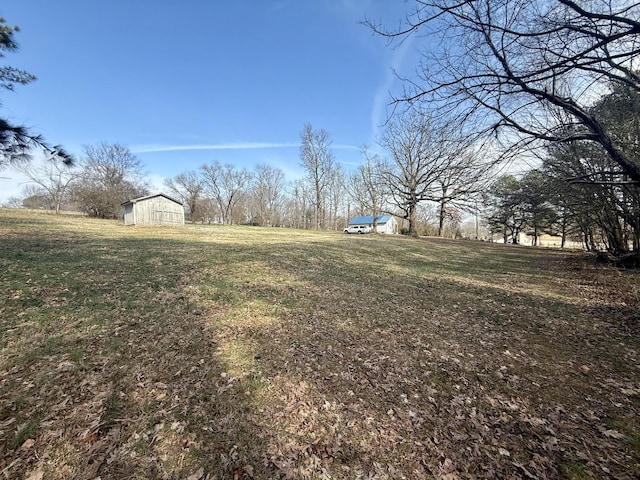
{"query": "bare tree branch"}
pixel 511 66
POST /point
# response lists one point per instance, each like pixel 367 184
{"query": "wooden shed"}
pixel 158 209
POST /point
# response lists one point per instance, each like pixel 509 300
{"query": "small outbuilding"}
pixel 386 223
pixel 158 209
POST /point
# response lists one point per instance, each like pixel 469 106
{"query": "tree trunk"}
pixel 515 233
pixel 374 211
pixel 617 242
pixel 592 242
pixel 412 217
pixel 316 210
pixel 441 218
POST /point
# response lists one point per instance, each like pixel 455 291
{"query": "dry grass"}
pixel 228 352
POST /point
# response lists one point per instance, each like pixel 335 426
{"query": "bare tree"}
pixel 335 198
pixel 319 163
pixel 188 187
pixel 110 175
pixel 13 202
pixel 418 146
pixel 52 178
pixel 529 70
pixel 227 186
pixel 356 194
pixel 367 187
pixel 269 193
pixel 34 196
pixel 460 183
pixel 299 205
pixel 208 210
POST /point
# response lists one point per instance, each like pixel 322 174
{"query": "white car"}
pixel 357 229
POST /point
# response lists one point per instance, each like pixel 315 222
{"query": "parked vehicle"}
pixel 362 229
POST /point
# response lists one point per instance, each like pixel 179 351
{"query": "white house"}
pixel 158 209
pixel 386 223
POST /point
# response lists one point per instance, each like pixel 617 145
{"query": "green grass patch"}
pixel 113 409
pixel 26 430
pixel 577 471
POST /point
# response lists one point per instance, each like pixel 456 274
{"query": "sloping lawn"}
pixel 211 352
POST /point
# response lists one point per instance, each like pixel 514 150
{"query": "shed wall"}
pixel 157 211
pixel 129 216
pixel 390 226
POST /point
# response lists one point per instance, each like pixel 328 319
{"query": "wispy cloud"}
pixel 220 146
pixel 227 146
pixel 341 146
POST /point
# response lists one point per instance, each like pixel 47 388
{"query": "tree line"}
pixel 418 160
pixel 578 192
pixel 556 81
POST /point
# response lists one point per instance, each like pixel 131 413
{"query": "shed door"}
pixel 165 217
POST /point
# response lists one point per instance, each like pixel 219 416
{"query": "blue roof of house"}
pixel 368 220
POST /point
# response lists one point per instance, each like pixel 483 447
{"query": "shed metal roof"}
pixel 151 196
pixel 368 220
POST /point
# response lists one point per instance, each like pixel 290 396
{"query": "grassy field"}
pixel 210 352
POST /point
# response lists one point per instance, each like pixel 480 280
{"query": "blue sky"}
pixel 184 83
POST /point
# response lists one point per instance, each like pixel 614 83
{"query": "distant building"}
pixel 158 209
pixel 386 223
